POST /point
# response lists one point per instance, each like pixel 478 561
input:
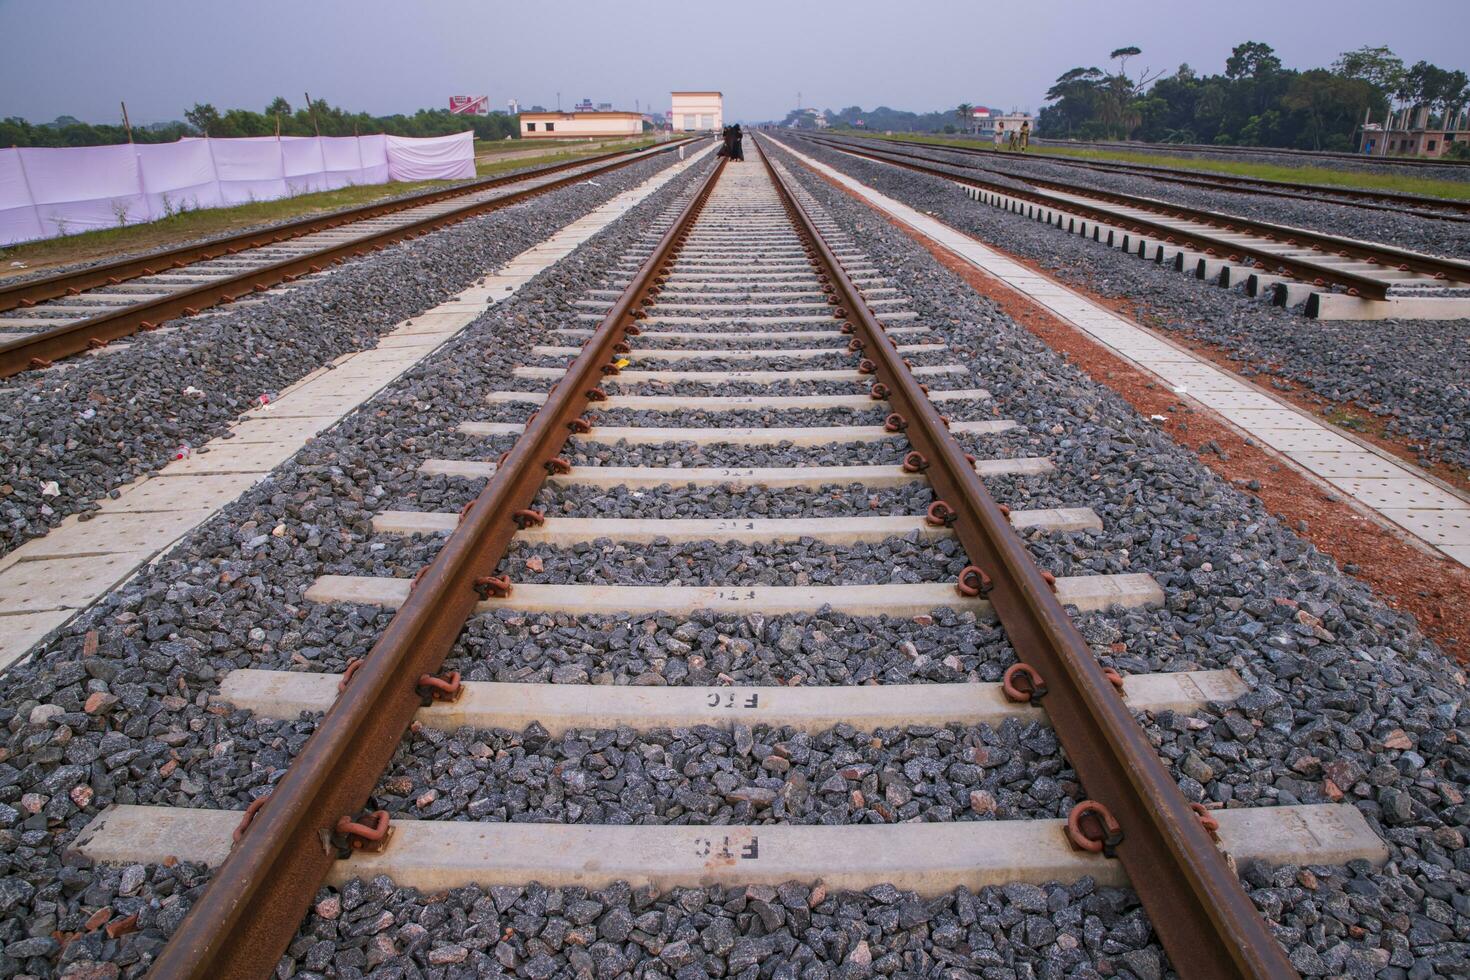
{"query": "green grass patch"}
pixel 1345 419
pixel 490 168
pixel 1321 176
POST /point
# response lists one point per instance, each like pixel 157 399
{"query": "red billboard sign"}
pixel 469 105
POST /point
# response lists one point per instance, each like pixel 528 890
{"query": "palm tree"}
pixel 966 121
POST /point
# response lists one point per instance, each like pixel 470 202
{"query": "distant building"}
pixel 692 112
pixel 982 122
pixel 604 107
pixel 1408 134
pixel 1006 123
pixel 580 125
pixel 584 106
pixel 513 107
pixel 815 118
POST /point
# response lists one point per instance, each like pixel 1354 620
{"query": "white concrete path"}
pixel 1403 496
pixel 47 581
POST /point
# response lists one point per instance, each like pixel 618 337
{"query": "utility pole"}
pixel 127 125
pixel 312 106
pixel 558 102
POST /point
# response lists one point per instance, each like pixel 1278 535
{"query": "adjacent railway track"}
pixel 1360 269
pixel 1435 208
pixel 1407 163
pixel 748 271
pixel 63 315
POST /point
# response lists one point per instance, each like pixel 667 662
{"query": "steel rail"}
pixel 255 901
pixel 40 349
pixel 1234 184
pixel 1305 269
pixel 1203 917
pixel 1228 150
pixel 32 291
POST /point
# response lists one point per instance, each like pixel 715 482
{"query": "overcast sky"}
pixel 80 57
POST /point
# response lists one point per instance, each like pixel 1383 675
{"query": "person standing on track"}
pixel 1025 135
pixel 737 144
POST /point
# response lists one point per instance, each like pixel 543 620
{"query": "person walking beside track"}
pixel 1025 136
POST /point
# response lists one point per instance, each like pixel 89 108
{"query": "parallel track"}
pixel 747 232
pixel 1361 268
pixel 144 292
pixel 1204 150
pixel 1418 205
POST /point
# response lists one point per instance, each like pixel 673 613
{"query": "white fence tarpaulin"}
pixel 410 159
pixel 50 191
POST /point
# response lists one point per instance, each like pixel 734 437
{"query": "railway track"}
pixel 1438 209
pixel 46 319
pixel 1405 163
pixel 1334 277
pixel 747 305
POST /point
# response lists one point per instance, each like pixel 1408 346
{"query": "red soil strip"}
pixel 1430 588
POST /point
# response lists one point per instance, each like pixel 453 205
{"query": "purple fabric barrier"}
pixel 303 164
pixel 18 219
pixel 345 161
pixel 439 158
pixel 178 177
pixel 46 192
pixel 250 169
pixel 83 187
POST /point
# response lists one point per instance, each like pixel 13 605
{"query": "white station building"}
pixel 580 125
pixel 694 112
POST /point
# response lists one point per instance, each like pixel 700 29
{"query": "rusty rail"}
pixel 1196 904
pixel 256 900
pixel 39 350
pixel 1357 284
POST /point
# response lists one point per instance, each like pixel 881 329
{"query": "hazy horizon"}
pixel 80 57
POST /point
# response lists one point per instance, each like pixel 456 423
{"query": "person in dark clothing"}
pixel 724 150
pixel 737 144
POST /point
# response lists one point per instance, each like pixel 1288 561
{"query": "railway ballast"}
pixel 745 596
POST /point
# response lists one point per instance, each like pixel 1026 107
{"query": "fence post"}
pixel 26 179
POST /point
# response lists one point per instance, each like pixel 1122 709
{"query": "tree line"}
pixel 205 120
pixel 877 120
pixel 1254 102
